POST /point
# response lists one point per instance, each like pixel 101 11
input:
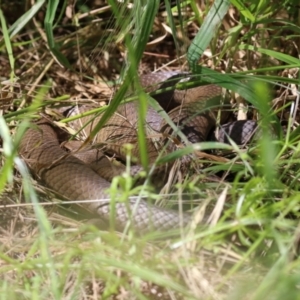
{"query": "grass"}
pixel 250 248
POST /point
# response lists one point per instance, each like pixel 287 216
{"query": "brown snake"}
pixel 72 178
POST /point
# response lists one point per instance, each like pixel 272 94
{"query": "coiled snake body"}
pixel 74 179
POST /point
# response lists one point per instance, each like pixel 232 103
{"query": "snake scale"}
pixel 74 179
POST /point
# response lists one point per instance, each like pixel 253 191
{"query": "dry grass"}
pixel 251 256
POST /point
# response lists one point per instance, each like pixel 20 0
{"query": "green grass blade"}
pixel 144 19
pixel 275 54
pixel 228 82
pixel 30 196
pixel 207 31
pixel 267 149
pixel 172 23
pixel 6 174
pixel 49 26
pixel 25 18
pixel 8 45
pixel 243 9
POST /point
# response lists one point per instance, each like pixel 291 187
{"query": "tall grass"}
pixel 250 248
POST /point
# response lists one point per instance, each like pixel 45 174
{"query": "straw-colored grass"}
pixel 54 52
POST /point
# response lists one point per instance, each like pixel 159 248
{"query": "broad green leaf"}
pixel 207 31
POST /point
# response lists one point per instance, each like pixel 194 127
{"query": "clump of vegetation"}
pixel 58 53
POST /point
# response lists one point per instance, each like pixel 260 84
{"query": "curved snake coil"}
pixel 74 179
